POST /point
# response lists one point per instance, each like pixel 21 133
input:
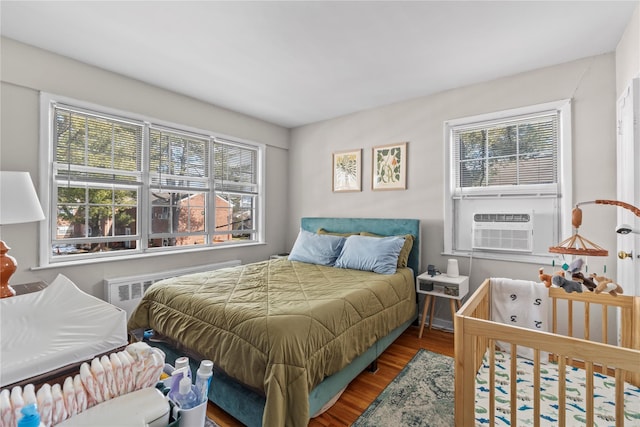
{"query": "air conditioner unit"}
pixel 512 232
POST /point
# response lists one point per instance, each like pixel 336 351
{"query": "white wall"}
pixel 628 53
pixel 26 71
pixel 590 82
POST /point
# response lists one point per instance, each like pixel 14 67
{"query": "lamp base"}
pixel 8 266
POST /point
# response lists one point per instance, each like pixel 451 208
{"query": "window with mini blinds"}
pixel 124 186
pixel 508 181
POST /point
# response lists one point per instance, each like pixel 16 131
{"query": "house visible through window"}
pixel 124 185
pixel 508 182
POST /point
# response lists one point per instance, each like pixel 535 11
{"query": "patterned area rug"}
pixel 422 395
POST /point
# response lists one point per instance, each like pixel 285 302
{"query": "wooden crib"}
pixel 475 347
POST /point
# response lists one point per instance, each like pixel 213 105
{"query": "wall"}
pixel 590 82
pixel 26 71
pixel 628 53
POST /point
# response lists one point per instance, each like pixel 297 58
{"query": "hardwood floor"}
pixel 365 388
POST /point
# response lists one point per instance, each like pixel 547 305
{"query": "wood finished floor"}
pixel 366 387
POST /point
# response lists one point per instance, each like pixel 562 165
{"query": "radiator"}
pixel 126 292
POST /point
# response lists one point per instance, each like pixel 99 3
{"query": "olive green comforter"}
pixel 279 326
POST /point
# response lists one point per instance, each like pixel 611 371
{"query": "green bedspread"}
pixel 279 326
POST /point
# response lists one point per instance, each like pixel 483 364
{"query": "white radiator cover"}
pixel 126 292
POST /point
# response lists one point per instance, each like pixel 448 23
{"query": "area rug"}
pixel 210 423
pixel 422 395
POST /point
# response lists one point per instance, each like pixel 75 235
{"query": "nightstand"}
pixel 27 288
pixel 440 285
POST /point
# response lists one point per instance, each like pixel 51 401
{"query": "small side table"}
pixel 27 288
pixel 433 287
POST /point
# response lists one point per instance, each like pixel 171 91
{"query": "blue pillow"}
pixel 377 254
pixel 314 248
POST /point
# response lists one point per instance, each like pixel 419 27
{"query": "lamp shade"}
pixel 18 199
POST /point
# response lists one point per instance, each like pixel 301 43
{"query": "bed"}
pixel 286 336
pixel 571 379
pixel 47 334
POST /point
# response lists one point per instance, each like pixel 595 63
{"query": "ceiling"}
pixel 298 62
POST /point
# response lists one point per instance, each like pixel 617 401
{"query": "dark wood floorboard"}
pixel 366 387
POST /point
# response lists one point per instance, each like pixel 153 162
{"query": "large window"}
pixel 508 182
pixel 122 185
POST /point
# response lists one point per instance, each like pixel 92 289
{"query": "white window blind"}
pixel 515 152
pixel 96 148
pixel 178 160
pixel 235 168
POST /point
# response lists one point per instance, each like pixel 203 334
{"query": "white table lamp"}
pixel 18 204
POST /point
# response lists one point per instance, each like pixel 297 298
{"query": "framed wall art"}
pixel 347 167
pixel 389 171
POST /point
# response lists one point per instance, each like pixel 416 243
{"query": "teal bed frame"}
pixel 247 405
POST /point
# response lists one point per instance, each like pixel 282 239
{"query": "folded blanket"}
pixel 520 303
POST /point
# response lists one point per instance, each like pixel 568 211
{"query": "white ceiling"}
pixel 298 62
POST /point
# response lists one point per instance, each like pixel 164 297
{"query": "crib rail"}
pixel 475 336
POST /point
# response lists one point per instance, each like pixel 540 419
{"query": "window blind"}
pixel 235 168
pixel 96 148
pixel 178 160
pixel 514 152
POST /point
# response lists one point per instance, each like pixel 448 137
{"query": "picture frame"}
pixel 389 169
pixel 347 171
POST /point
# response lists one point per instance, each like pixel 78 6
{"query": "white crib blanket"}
pixel 604 395
pixel 521 303
pixel 55 327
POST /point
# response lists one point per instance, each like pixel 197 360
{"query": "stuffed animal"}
pixel 586 281
pixel 606 285
pixel 577 276
pixel 566 284
pixel 576 266
pixel 546 278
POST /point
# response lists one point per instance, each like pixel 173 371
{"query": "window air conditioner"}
pixel 511 232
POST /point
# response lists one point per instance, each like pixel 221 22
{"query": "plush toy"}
pixel 546 278
pixel 606 285
pixel 566 284
pixel 577 276
pixel 576 266
pixel 586 281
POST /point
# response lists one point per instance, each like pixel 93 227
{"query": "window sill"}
pixel 140 256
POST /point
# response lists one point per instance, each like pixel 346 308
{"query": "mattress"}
pixel 603 402
pixel 56 327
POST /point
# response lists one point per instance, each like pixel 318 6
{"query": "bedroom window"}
pixel 508 182
pixel 122 185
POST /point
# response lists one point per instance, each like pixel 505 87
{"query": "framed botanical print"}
pixel 347 167
pixel 389 171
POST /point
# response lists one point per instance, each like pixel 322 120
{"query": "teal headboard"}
pixel 381 226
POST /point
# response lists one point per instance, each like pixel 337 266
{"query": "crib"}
pixel 591 355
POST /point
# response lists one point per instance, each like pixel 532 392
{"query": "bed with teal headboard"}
pixel 247 403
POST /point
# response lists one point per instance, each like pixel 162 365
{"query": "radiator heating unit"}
pixel 126 292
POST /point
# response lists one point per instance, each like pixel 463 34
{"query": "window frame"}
pixel 562 191
pixel 48 195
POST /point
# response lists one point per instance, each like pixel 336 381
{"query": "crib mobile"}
pixel 581 246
